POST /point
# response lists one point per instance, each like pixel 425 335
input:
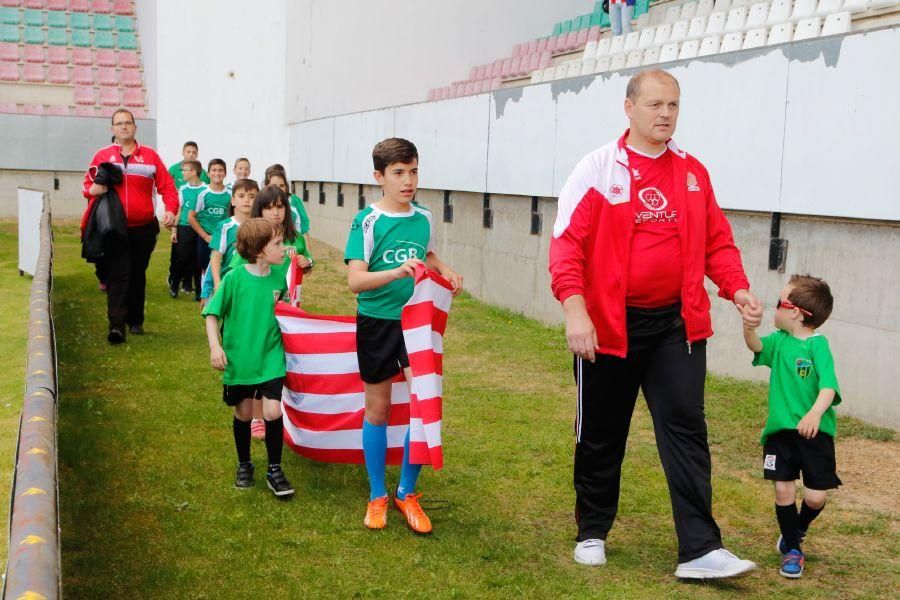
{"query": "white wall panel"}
pixel 354 137
pixel 312 150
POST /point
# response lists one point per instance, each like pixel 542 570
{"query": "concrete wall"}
pixel 358 55
pixel 65 202
pixel 507 266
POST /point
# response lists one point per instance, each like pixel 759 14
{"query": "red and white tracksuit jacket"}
pixel 591 245
pixel 145 169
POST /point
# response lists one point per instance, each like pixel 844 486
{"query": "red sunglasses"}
pixel 785 304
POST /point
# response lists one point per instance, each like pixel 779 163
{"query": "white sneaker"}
pixel 591 552
pixel 717 564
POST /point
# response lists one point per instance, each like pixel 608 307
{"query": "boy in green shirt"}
pixel 387 241
pixel 213 207
pixel 189 151
pixel 800 429
pixel 184 238
pixel 251 353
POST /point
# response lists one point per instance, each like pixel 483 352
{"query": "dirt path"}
pixel 870 471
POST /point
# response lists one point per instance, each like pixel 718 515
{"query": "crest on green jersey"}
pixel 804 366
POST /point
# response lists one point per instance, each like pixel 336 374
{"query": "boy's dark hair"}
pixel 272 196
pixel 247 185
pixel 811 294
pixel 193 164
pixel 217 161
pixel 241 159
pixel 190 143
pixel 393 150
pixel 119 111
pixel 253 235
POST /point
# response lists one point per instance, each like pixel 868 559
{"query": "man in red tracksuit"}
pixel 125 260
pixel 637 229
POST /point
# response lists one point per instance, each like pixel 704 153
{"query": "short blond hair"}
pixel 633 90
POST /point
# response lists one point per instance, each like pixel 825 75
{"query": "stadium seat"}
pixel 780 34
pixel 34 18
pixel 617 62
pixel 33 109
pixel 9 16
pixel 603 47
pixel 704 8
pixel 807 29
pixel 663 34
pixel 9 52
pixel 82 6
pixel 617 45
pixel 83 75
pixel 111 97
pixel 61 5
pixel 39 4
pixel 139 113
pixel 645 39
pixel 123 7
pixel 689 49
pixel 82 56
pixel 601 65
pixel 571 41
pixel 130 59
pixel 590 50
pixel 484 86
pixel 10 3
pixel 574 68
pixel 34 35
pixel 836 23
pixel 548 74
pixel 81 38
pixel 58 74
pixel 57 37
pixel 107 77
pixel 779 12
pixel 722 6
pixel 756 18
pixel 104 39
pixel 826 7
pixel 544 61
pixel 740 3
pixel 588 65
pixel 103 23
pixel 33 73
pixel 634 59
pixel 755 38
pixel 732 41
pixel 651 56
pixel 803 9
pixel 10 33
pixel 80 21
pixel 57 19
pixel 101 6
pixel 473 74
pixel 643 21
pixel 533 61
pixel 736 19
pixel 8 108
pixel 58 110
pixel 537 76
pixel 697 29
pixel 468 88
pixel 581 38
pixel 85 111
pixel 561 71
pixel 688 11
pixel 593 34
pixel 680 31
pixel 9 71
pixel 105 58
pixel 542 44
pixel 430 96
pixel 716 24
pixel 669 52
pixel 673 13
pixel 57 55
pixel 855 6
pixel 710 45
pixel 631 41
pixel 127 41
pixel 506 67
pixel 34 54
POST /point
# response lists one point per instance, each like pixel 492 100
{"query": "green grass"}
pixel 149 511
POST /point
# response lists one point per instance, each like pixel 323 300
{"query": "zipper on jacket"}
pixel 689 346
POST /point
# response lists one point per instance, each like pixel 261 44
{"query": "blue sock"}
pixel 375 451
pixel 408 473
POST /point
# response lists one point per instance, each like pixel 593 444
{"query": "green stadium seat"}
pixel 124 24
pixel 604 20
pixel 103 23
pixel 104 39
pixel 80 21
pixel 34 18
pixel 81 38
pixel 557 29
pixel 641 7
pixel 9 16
pixel 57 37
pixel 34 35
pixel 584 22
pixel 127 41
pixel 595 19
pixel 56 19
pixel 566 26
pixel 10 33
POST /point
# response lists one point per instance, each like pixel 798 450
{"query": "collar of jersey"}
pixel 412 211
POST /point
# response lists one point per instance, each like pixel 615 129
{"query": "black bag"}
pixel 606 6
pixel 107 217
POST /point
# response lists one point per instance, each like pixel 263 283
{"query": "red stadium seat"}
pixel 133 98
pixel 594 34
pixel 123 7
pixel 34 109
pixel 58 5
pixel 9 71
pixel 80 6
pixel 85 96
pixel 107 77
pixel 58 74
pixel 9 52
pixel 8 108
pixel 58 111
pixel 495 83
pixel 82 56
pixel 34 54
pixel 127 58
pixel 485 86
pixel 83 75
pixel 34 73
pixel 103 7
pixel 106 58
pixel 542 45
pixel 545 60
pixel 582 37
pixel 506 69
pixel 85 111
pixel 533 47
pixel 58 55
pixel 139 113
pixel 39 4
pixel 130 78
pixel 111 97
pixel 430 95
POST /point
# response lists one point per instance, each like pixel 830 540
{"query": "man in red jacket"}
pixel 637 229
pixel 125 261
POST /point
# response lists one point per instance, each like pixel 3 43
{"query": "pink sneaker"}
pixel 258 429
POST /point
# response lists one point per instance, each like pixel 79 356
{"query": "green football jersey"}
pixel 800 368
pixel 187 199
pixel 212 208
pixel 386 241
pixel 251 338
pixel 175 172
pixel 298 212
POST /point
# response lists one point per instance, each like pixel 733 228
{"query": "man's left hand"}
pixel 745 298
pixel 169 219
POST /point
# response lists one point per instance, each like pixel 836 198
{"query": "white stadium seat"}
pixel 574 69
pixel 602 64
pixel 617 62
pixel 669 52
pixel 590 50
pixel 689 49
pixel 722 6
pixel 643 20
pixel 757 16
pixel 826 7
pixel 651 56
pixel 673 13
pixel 688 11
pixel 663 34
pixel 736 19
pixel 549 74
pixel 588 65
pixel 755 38
pixel 836 23
pixel 680 31
pixel 780 34
pixel 704 8
pixel 780 12
pixel 634 58
pixel 537 76
pixel 740 3
pixel 561 71
pixel 807 29
pixel 855 6
pixel 617 46
pixel 803 9
pixel 603 47
pixel 631 41
pixel 709 45
pixel 716 23
pixel 732 41
pixel 875 4
pixel 646 38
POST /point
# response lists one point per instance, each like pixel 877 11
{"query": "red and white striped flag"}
pixel 323 400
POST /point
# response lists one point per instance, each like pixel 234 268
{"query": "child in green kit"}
pixel 251 353
pixel 212 208
pixel 800 429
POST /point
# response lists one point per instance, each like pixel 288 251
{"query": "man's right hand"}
pixel 580 333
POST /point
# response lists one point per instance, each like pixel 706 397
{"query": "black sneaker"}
pixel 187 289
pixel 116 335
pixel 173 287
pixel 278 483
pixel 136 329
pixel 244 477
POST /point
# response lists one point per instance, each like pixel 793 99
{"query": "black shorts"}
pixel 380 349
pixel 232 395
pixel 786 454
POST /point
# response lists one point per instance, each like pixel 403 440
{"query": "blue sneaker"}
pixel 781 548
pixel 792 564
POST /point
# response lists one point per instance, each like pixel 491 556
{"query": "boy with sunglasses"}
pixel 799 432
